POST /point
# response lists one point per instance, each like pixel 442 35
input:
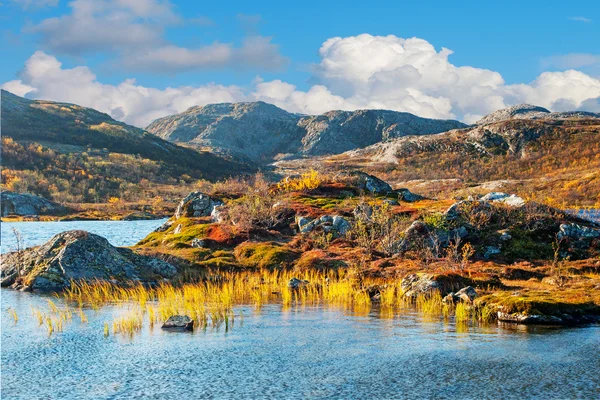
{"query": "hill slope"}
pixel 82 149
pixel 553 156
pixel 261 131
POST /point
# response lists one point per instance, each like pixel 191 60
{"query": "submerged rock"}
pixel 179 323
pixel 79 255
pixel 23 204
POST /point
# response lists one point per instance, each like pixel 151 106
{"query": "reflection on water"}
pixel 118 233
pixel 296 353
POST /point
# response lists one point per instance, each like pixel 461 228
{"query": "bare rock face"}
pixel 371 183
pixel 259 131
pixel 79 255
pixel 521 111
pixel 195 204
pixel 23 204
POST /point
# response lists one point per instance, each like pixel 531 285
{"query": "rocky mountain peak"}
pixel 520 111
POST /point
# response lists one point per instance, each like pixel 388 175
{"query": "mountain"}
pixel 546 154
pixel 72 144
pixel 263 132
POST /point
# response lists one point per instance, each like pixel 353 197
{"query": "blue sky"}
pixel 238 44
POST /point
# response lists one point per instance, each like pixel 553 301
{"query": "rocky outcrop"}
pixel 370 183
pixel 578 232
pixel 521 111
pixel 179 323
pixel 422 284
pixel 261 131
pixel 195 204
pixel 511 199
pixel 335 224
pixel 23 204
pixel 79 255
pixel 466 295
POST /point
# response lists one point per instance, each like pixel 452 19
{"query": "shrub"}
pixel 307 181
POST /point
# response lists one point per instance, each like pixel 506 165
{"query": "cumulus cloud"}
pixel 133 30
pixel 365 71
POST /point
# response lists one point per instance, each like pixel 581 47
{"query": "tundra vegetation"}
pixel 326 239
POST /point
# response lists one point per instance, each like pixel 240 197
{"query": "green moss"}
pixel 527 245
pixel 190 229
pixel 264 255
pixel 537 303
pixel 325 203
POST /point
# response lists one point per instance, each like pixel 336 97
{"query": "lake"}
pixel 300 352
pixel 118 233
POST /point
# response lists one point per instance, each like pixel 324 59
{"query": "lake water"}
pixel 299 353
pixel 308 352
pixel 118 233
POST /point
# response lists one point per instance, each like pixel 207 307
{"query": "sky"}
pixel 139 60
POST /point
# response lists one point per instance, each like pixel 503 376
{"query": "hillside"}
pixel 263 132
pixel 553 157
pixel 72 153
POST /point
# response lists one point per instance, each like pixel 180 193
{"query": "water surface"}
pixel 307 352
pixel 118 233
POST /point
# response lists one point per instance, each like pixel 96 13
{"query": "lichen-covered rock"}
pixel 577 232
pixel 328 223
pixel 406 195
pixel 341 224
pixel 510 199
pixel 195 204
pixel 413 285
pixel 179 323
pixel 23 204
pixel 371 183
pixel 79 255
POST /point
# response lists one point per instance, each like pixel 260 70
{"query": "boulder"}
pixel 363 212
pixel 23 204
pixel 79 255
pixel 408 196
pixel 179 323
pixel 491 251
pixel 195 204
pixel 578 232
pixel 198 243
pixel 329 223
pixel 510 199
pixel 371 183
pixel 296 283
pixel 413 285
pixel 341 224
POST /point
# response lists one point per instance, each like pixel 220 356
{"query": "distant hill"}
pixel 261 132
pixel 66 143
pixel 525 148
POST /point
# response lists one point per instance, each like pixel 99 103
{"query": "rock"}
pixel 296 283
pixel 341 225
pixel 467 294
pixel 164 226
pixel 139 216
pixel 195 204
pixel 520 111
pixel 23 204
pixel 306 224
pixel 179 323
pixel 577 232
pixel 79 255
pixel 363 212
pixel 522 318
pixel 177 230
pixel 413 285
pixel 326 219
pixel 505 235
pixel 218 213
pixel 406 195
pixel 512 200
pixel 199 243
pixel 371 183
pixel 491 251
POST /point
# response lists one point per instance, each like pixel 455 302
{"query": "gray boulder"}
pixel 577 232
pixel 406 195
pixel 413 285
pixel 371 183
pixel 341 224
pixel 335 224
pixel 467 295
pixel 79 255
pixel 510 199
pixel 23 204
pixel 491 251
pixel 179 323
pixel 195 204
pixel 296 283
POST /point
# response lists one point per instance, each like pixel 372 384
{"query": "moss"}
pixel 324 203
pixel 190 229
pixel 264 255
pixel 220 263
pixel 540 303
pixel 317 259
pixel 527 245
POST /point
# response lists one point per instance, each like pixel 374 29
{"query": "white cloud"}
pixel 356 72
pixel 256 51
pixel 133 31
pixel 580 19
pixel 572 60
